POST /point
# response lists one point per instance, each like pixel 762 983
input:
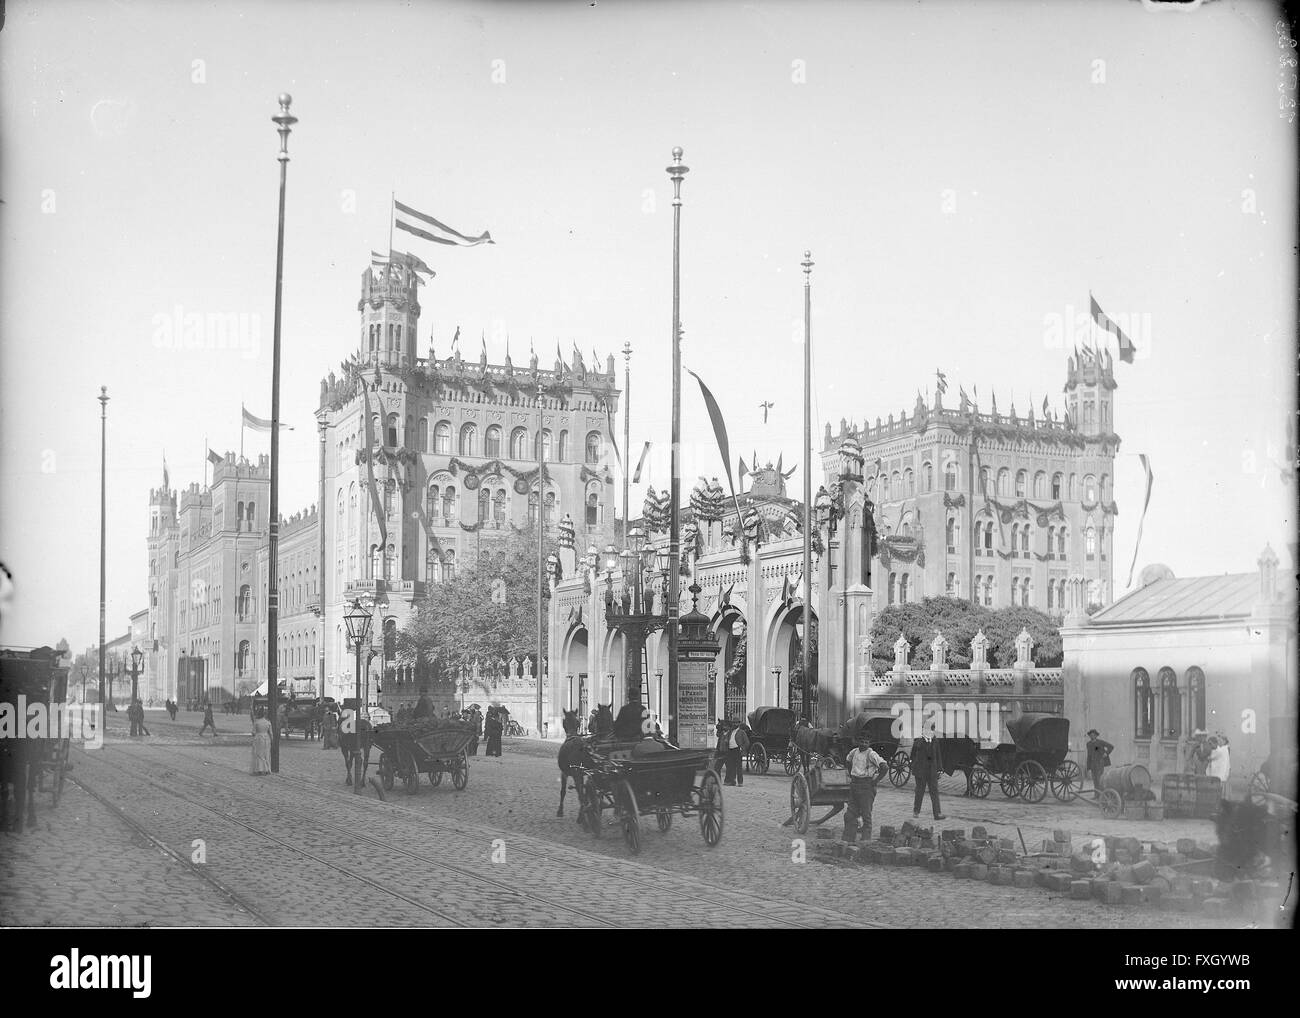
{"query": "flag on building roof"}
pixel 941 385
pixel 256 423
pixel 167 483
pixel 719 433
pixel 1104 321
pixel 425 226
pixel 1146 501
pixel 215 458
pixel 1045 407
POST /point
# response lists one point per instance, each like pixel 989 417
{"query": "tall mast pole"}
pixel 320 533
pixel 541 545
pixel 627 410
pixel 807 482
pixel 676 172
pixel 284 122
pixel 103 529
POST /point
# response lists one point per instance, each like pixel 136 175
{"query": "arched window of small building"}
pixel 562 453
pixel 519 444
pixel 1015 539
pixel 927 477
pixel 532 508
pixel 1040 484
pixel 593 509
pixel 1004 482
pixel 893 587
pixel 1089 540
pixel 1022 479
pixel 431 502
pixel 484 504
pixel 1057 483
pixel 1089 488
pixel 1196 697
pixel 241 658
pixel 1171 704
pixel 950 534
pixel 433 568
pixel 903 585
pixel 909 481
pixel 542 447
pixel 492 441
pixel 468 439
pixel 950 476
pixel 1060 543
pixel 422 435
pixel 499 507
pixel 550 507
pixel 1144 720
pixel 449 565
pixel 390 438
pixel 594 447
pixel 988 538
pixel 1015 591
pixel 442 438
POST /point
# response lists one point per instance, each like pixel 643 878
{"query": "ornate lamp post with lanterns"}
pixel 635 615
pixel 358 622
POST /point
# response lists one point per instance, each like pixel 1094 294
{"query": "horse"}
pixel 355 747
pixel 571 754
pixel 601 723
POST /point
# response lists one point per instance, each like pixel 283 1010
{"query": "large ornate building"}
pixel 453 449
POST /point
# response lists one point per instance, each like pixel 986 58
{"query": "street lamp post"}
pixel 103 526
pixel 777 672
pixel 284 122
pixel 137 666
pixel 358 622
pixel 676 173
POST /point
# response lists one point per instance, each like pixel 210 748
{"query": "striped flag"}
pixel 375 502
pixel 720 433
pixel 1146 501
pixel 425 226
pixel 256 423
pixel 1104 321
pixel 645 451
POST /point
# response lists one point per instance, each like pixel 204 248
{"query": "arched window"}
pixel 1022 479
pixel 1051 542
pixel 433 568
pixel 1024 541
pixel 1105 487
pixel 532 508
pixel 492 441
pixel 1090 541
pixel 244 603
pixel 468 439
pixel 250 514
pixel 431 502
pixel 985 481
pixel 1040 483
pixel 1015 540
pixel 1060 543
pixel 905 529
pixel 904 583
pixel 1027 591
pixel 239 516
pixel 1144 720
pixel 1196 697
pixel 976 590
pixel 950 588
pixel 390 491
pixel 1171 705
pixel 1004 482
pixel 927 477
pixel 390 558
pixel 449 503
pixel 1056 486
pixel 550 507
pixel 1089 488
pixel 542 447
pixel 1073 495
pixel 484 504
pixel 988 538
pixel 1015 591
pixel 449 565
pixel 593 509
pixel 909 481
pixel 422 435
pixel 593 447
pixel 442 438
pixel 1051 591
pixel 562 453
pixel 896 484
pixel 950 534
pixel 391 437
pixel 884 487
pixel 893 587
pixel 241 658
pixel 950 476
pixel 519 444
pixel 499 508
pixel 376 562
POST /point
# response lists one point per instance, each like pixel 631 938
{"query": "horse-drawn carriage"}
pixel 1025 768
pixel 639 775
pixel 29 679
pixel 771 729
pixel 434 749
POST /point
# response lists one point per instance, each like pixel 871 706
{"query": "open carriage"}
pixel 405 754
pixel 649 777
pixel 771 733
pixel 1025 768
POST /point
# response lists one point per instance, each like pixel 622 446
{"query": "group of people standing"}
pixel 135 714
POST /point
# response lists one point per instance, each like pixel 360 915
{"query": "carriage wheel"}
pixel 979 781
pixel 1258 788
pixel 1112 804
pixel 591 806
pixel 460 772
pixel 435 776
pixel 757 763
pixel 625 803
pixel 710 809
pixel 1031 781
pixel 409 774
pixel 665 820
pixel 800 803
pixel 386 771
pixel 900 769
pixel 1067 780
pixel 791 762
pixel 1007 782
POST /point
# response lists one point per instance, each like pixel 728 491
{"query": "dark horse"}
pixel 355 747
pixel 571 754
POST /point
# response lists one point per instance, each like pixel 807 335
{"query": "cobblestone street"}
pixel 173 830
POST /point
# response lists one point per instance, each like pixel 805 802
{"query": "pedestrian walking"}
pixel 1098 757
pixel 130 716
pixel 492 727
pixel 261 763
pixel 138 721
pixel 866 768
pixel 927 762
pixel 423 706
pixel 208 722
pixel 737 745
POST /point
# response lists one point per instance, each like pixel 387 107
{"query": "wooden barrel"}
pixel 1127 780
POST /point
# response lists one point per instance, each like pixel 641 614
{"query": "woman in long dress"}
pixel 261 744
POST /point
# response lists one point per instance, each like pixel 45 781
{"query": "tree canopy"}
pixel 486 612
pixel 959 620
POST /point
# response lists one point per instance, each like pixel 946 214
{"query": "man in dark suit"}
pixel 1099 751
pixel 926 765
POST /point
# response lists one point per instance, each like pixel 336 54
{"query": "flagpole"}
pixel 541 541
pixel 627 410
pixel 676 173
pixel 392 214
pixel 806 707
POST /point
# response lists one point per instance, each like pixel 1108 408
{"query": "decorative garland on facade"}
pixel 953 501
pixel 904 549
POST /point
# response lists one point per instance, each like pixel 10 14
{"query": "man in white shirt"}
pixel 1219 763
pixel 866 768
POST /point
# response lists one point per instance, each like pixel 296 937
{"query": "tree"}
pixel 959 620
pixel 487 612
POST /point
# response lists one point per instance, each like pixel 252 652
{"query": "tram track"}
pixel 728 899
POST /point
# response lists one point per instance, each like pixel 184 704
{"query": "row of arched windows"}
pixel 899 588
pixel 467 441
pixel 1160 707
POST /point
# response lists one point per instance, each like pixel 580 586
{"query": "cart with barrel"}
pixel 432 748
pixel 649 777
pixel 771 729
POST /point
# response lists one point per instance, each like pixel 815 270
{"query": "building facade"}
pixel 1000 509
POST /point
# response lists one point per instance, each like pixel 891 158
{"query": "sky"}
pixel 963 174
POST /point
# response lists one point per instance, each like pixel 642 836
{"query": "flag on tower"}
pixel 1045 408
pixel 1146 501
pixel 422 225
pixel 1104 321
pixel 256 423
pixel 720 433
pixel 215 458
pixel 645 451
pixel 941 385
pixel 167 484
